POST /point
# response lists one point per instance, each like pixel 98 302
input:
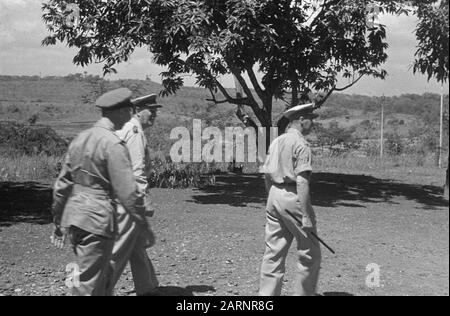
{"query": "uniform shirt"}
pixel 133 136
pixel 289 155
pixel 96 172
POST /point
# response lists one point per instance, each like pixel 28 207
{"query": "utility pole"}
pixel 382 130
pixel 441 128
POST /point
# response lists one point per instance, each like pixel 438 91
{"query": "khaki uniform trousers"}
pixel 93 253
pixel 129 247
pixel 281 230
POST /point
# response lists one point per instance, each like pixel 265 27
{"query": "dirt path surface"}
pixel 210 241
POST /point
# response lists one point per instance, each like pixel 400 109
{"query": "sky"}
pixel 21 53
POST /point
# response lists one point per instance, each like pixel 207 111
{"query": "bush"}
pixel 394 145
pixel 371 148
pixel 19 139
pixel 12 108
pixel 164 174
pixel 338 140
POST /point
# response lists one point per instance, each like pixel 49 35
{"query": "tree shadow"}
pixel 234 190
pixel 328 190
pixel 184 291
pixel 25 202
pixel 337 294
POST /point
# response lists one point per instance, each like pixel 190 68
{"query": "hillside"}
pixel 65 103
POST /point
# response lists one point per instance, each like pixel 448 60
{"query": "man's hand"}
pixel 307 225
pixel 149 208
pixel 58 239
pixel 147 236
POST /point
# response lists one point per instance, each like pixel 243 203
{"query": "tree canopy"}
pixel 432 34
pixel 301 48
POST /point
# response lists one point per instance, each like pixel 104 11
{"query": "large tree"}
pixel 296 51
pixel 433 37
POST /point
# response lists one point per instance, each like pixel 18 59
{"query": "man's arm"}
pixel 124 184
pixel 304 198
pixel 61 191
pixel 302 170
pixel 136 147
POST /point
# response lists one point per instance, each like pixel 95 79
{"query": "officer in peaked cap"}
pixel 131 244
pixel 287 171
pixel 96 173
pixel 289 115
pixel 118 98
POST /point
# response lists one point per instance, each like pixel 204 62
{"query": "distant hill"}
pixel 66 104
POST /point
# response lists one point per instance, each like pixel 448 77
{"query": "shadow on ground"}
pixel 184 291
pixel 336 294
pixel 30 202
pixel 27 202
pixel 328 190
pixel 235 190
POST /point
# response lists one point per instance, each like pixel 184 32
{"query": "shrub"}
pixel 394 145
pixel 19 139
pixel 164 174
pixel 12 108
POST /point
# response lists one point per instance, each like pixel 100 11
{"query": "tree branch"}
pixel 245 118
pixel 244 86
pixel 214 98
pixel 229 99
pixel 320 102
pixel 324 8
pixel 217 102
pixel 260 113
pixel 223 90
pixel 350 85
pixel 261 93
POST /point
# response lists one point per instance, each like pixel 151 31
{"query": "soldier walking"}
pixel 287 171
pixel 96 174
pixel 131 244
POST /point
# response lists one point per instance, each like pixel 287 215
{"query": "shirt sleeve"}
pixel 136 147
pixel 61 191
pixel 123 182
pixel 302 158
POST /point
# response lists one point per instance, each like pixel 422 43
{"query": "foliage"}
pixel 165 174
pixel 394 145
pixel 371 148
pixel 335 138
pixel 300 47
pixel 333 135
pixel 432 34
pixel 333 112
pixel 19 139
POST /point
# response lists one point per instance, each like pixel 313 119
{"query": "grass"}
pixel 41 168
pixel 348 162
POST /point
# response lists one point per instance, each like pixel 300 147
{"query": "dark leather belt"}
pixel 286 185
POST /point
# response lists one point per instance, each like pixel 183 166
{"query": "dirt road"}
pixel 210 241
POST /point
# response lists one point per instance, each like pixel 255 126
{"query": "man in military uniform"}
pixel 130 246
pixel 96 173
pixel 288 170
